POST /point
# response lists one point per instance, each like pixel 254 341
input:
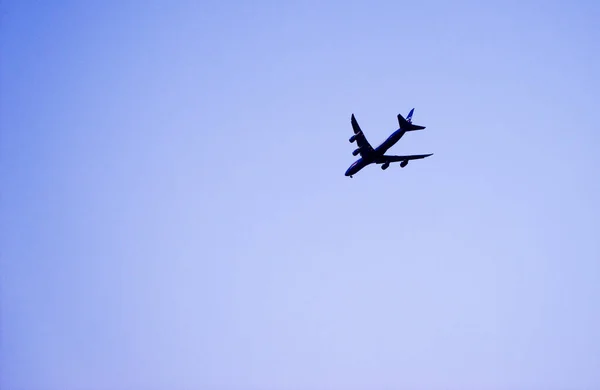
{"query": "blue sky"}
pixel 175 212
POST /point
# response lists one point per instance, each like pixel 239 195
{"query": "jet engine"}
pixel 385 166
pixel 356 151
pixel 352 139
pixel 403 163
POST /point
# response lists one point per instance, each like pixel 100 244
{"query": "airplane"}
pixel 368 155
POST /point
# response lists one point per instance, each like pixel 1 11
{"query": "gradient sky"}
pixel 175 213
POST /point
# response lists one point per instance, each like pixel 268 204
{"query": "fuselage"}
pixel 389 142
pixel 377 154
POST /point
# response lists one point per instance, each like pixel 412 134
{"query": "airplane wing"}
pixel 361 140
pixel 404 158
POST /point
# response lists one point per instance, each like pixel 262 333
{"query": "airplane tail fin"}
pixel 409 116
pixel 406 125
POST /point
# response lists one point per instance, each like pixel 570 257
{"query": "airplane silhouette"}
pixel 368 155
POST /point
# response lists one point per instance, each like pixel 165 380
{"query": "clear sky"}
pixel 175 213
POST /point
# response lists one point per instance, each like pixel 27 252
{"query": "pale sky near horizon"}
pixel 175 213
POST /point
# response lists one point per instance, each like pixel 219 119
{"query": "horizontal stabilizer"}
pixel 406 125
